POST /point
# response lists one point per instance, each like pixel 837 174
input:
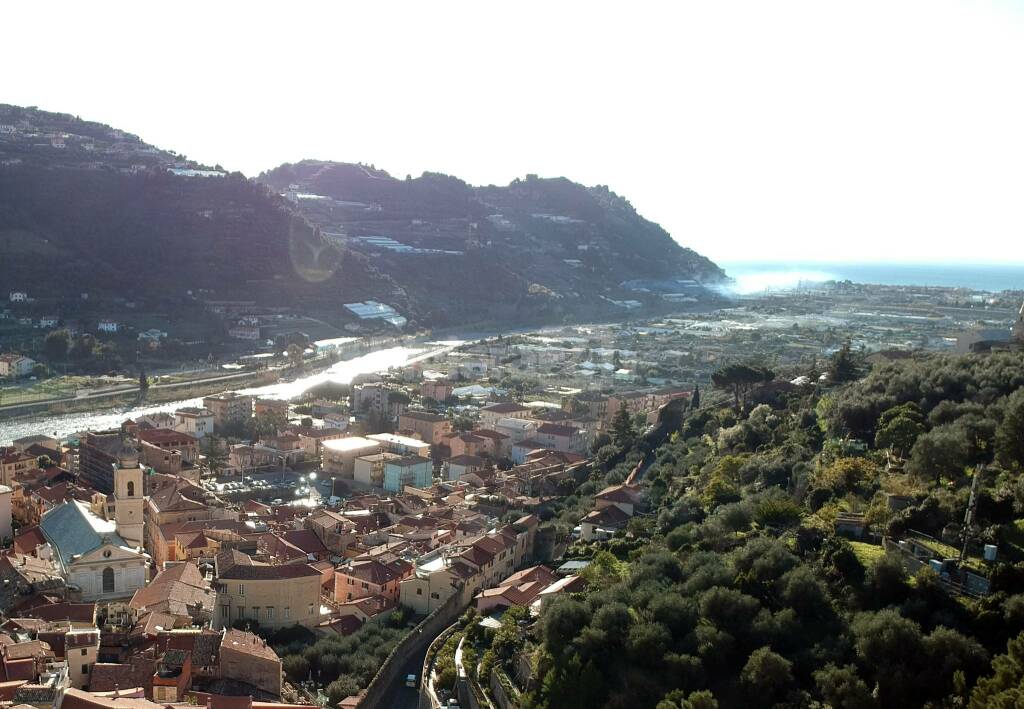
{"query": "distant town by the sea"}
pixel 753 277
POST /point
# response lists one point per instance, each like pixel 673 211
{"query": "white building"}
pixel 194 420
pixel 108 326
pixel 91 555
pixel 15 365
pixel 19 296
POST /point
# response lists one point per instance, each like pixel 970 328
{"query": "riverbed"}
pixel 63 425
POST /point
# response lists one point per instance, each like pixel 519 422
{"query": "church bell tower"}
pixel 128 496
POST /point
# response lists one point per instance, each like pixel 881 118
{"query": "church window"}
pixel 108 580
pixel 131 488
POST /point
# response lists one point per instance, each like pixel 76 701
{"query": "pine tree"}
pixel 695 399
pixel 623 432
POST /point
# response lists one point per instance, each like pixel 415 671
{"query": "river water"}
pixel 63 425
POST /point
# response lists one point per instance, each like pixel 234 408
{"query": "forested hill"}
pixel 87 208
pixel 755 574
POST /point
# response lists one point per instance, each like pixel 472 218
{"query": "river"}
pixel 63 425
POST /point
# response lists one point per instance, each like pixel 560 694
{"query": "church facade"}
pixel 103 560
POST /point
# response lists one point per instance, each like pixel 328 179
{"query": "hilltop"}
pixel 87 208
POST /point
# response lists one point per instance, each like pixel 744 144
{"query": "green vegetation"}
pixel 733 588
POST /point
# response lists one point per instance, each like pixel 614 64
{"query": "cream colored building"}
pixel 278 596
pixel 339 455
pixel 81 649
pixel 369 469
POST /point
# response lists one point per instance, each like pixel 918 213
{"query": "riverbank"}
pixel 110 415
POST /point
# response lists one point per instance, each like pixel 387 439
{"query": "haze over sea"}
pixel 753 277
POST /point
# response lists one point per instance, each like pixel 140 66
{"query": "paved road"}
pixel 400 696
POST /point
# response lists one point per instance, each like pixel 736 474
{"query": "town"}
pixel 191 554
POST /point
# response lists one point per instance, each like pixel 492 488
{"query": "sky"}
pixel 752 131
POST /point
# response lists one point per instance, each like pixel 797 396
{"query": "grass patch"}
pixel 867 554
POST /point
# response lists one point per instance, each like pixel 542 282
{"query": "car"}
pixel 410 681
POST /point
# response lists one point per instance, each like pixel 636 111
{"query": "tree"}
pixel 1005 688
pixel 562 622
pixel 841 367
pixel 56 345
pixel 842 688
pixel 295 353
pixel 143 381
pixel 942 452
pixel 766 676
pixel 623 431
pixel 740 379
pixel 1009 442
pixel 899 428
pixel 695 398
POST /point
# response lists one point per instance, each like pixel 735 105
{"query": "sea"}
pixel 754 277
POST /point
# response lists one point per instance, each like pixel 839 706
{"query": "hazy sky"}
pixel 750 130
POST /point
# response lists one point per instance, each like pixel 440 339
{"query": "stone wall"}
pixel 411 645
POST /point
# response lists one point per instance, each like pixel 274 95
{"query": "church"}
pixel 104 560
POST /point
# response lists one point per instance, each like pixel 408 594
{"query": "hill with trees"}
pixel 740 585
pixel 87 208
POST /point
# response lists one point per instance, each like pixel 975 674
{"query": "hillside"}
pixel 799 553
pixel 86 208
pixel 544 246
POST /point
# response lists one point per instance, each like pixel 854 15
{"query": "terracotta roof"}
pixel 166 436
pixel 248 643
pixel 254 572
pixel 610 516
pixel 306 540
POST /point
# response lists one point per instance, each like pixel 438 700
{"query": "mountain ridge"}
pixel 107 213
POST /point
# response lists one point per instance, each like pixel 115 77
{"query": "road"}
pixel 400 696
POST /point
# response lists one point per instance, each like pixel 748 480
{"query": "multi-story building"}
pixel 362 578
pixel 339 455
pixel 490 415
pixel 369 469
pixel 411 470
pixel 195 421
pixel 437 389
pixel 170 440
pixel 468 565
pixel 402 445
pixel 277 596
pixel 429 427
pixel 230 409
pixel 97 454
pixel 12 463
pixel 14 366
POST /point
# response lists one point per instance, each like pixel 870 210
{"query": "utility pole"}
pixel 972 504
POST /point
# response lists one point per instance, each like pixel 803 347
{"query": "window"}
pixel 225 612
pixel 419 591
pixel 131 488
pixel 84 651
pixel 85 669
pixel 241 612
pixel 241 589
pixel 311 609
pixel 434 595
pixel 270 612
pixel 287 612
pixel 365 586
pixel 255 613
pixel 108 580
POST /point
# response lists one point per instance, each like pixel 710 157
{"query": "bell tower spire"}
pixel 128 495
